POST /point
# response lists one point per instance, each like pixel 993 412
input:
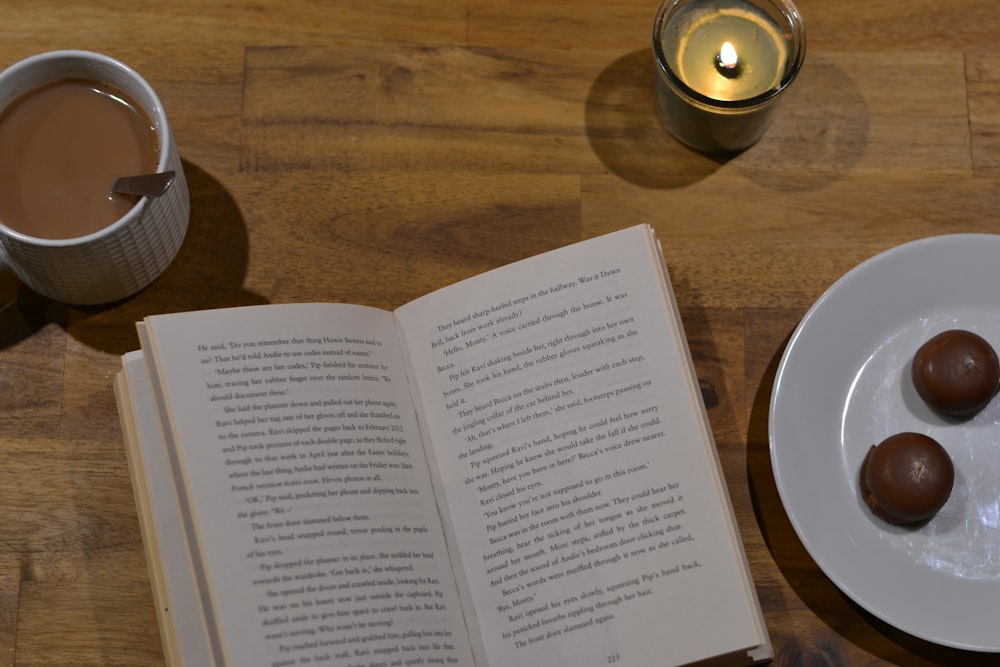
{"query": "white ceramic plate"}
pixel 843 385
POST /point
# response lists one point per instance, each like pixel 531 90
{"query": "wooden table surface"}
pixel 371 152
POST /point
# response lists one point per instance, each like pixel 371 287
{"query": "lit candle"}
pixel 727 62
pixel 722 64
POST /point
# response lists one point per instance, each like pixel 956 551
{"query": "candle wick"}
pixel 730 70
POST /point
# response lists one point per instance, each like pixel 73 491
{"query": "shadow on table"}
pixel 625 132
pixel 811 585
pixel 819 134
pixel 208 272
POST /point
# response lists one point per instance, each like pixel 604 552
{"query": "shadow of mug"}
pixel 207 272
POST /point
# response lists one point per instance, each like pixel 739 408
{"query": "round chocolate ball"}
pixel 956 373
pixel 906 478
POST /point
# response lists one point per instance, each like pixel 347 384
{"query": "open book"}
pixel 516 470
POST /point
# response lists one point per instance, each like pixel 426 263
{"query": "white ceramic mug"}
pixel 123 258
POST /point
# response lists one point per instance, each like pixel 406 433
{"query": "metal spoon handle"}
pixel 145 185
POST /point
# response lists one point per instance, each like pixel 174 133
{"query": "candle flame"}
pixel 727 56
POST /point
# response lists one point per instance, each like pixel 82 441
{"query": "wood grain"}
pixel 370 153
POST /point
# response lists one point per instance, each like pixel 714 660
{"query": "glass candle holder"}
pixel 722 66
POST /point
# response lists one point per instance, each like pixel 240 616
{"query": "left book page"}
pixel 310 517
pixel 183 629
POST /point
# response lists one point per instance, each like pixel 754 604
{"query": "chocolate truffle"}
pixel 906 478
pixel 956 373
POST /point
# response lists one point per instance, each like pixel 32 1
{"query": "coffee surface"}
pixel 61 148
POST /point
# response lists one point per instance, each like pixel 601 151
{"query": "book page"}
pixel 580 481
pixel 180 614
pixel 310 501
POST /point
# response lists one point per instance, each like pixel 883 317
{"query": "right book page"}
pixel 576 472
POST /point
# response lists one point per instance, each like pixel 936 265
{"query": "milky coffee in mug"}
pixel 71 122
pixel 62 145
